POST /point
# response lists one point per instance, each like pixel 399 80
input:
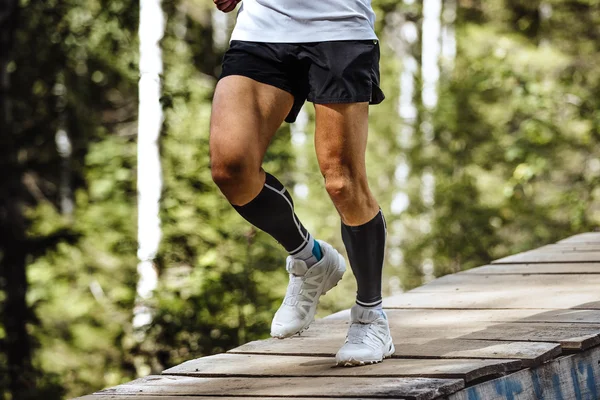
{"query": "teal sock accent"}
pixel 317 251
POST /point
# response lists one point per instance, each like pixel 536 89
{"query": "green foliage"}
pixel 83 293
pixel 74 67
pixel 515 146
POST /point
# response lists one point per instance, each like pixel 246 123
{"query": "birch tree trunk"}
pixel 151 31
pixel 64 148
pixel 430 55
pixel 448 35
pixel 402 35
pixel 430 73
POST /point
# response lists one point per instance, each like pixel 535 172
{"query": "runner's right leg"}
pixel 245 117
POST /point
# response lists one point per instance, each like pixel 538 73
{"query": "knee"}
pixel 339 186
pixel 230 164
pixel 229 173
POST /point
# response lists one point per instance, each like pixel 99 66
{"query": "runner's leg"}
pixel 340 141
pixel 245 116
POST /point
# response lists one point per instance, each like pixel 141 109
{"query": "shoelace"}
pixel 293 289
pixel 369 334
pixel 296 296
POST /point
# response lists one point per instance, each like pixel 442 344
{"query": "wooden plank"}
pixel 530 353
pixel 457 317
pixel 574 377
pixel 536 269
pixel 565 316
pixel 535 256
pixel 101 396
pixel 496 299
pixel 465 318
pixel 248 365
pixel 337 330
pixel 340 315
pixel 406 388
pixel 522 285
pixel 573 337
pixel 569 247
pixel 588 237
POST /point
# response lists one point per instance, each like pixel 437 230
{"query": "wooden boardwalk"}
pixel 525 327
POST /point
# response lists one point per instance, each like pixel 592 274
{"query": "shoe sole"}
pixel 335 276
pixel 359 363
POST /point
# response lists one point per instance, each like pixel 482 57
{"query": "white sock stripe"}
pixel 293 215
pixel 299 225
pixel 299 249
pixel 282 191
pixel 384 238
pixel 306 237
pixel 272 188
pixel 375 303
pixel 384 241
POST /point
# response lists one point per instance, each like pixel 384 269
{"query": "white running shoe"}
pixel 303 292
pixel 368 341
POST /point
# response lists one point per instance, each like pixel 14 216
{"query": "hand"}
pixel 226 5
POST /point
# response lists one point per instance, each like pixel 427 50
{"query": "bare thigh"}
pixel 341 142
pixel 245 116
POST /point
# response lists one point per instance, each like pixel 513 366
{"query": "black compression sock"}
pixel 273 212
pixel 365 245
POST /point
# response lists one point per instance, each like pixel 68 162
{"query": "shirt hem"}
pixel 302 37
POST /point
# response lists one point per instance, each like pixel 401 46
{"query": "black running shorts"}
pixel 322 72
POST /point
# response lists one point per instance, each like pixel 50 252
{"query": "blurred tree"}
pixel 514 145
pixel 17 368
pixel 79 47
pixel 149 174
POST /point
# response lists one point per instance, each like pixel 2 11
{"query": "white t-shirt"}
pixel 301 21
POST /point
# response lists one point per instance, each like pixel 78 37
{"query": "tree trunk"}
pixel 150 120
pixel 13 247
pixel 430 54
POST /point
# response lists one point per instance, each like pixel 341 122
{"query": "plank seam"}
pixel 545 262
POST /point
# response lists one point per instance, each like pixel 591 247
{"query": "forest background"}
pixel 487 144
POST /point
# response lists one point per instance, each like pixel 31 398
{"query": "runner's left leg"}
pixel 340 141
